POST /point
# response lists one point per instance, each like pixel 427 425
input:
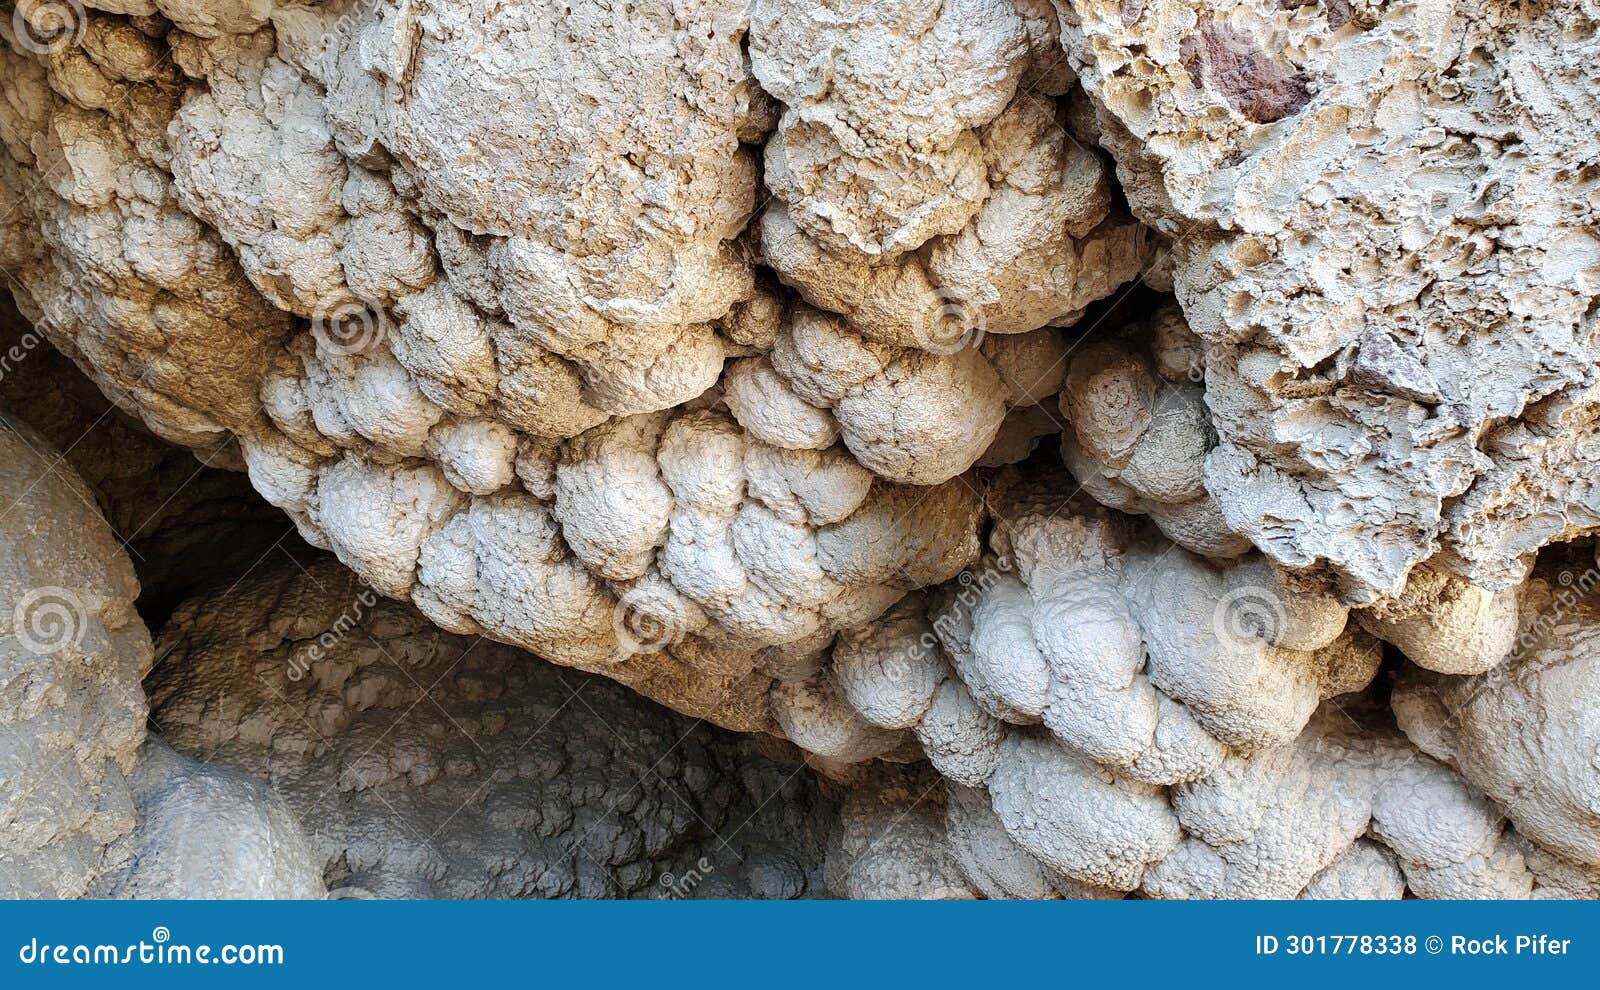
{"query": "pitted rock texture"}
pixel 785 362
pixel 423 764
pixel 1133 652
pixel 257 229
pixel 1141 431
pixel 926 206
pixel 72 651
pixel 1113 714
pixel 1382 224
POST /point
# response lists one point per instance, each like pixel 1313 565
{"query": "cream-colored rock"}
pixel 1391 261
pixel 890 842
pixel 1140 432
pixel 1135 717
pixel 960 739
pixel 929 209
pixel 1135 653
pixel 1366 871
pixel 1349 810
pixel 146 298
pixel 764 404
pixel 995 864
pixel 890 671
pixel 485 113
pixel 505 407
pixel 1075 818
pixel 487 300
pixel 905 414
pixel 1525 732
pixel 1445 624
pixel 1276 824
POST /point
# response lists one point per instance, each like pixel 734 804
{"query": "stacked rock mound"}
pixel 441 323
pixel 1524 732
pixel 1111 713
pixel 1350 810
pixel 715 349
pixel 1140 430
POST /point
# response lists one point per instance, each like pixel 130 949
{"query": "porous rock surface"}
pixel 324 232
pixel 1348 809
pixel 924 205
pixel 1111 713
pixel 1382 223
pixel 734 350
pixel 1525 732
pixel 570 778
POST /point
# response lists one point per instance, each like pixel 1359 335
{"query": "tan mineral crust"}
pixel 794 448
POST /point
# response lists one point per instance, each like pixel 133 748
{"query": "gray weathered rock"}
pixel 206 832
pixel 423 764
pixel 72 651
